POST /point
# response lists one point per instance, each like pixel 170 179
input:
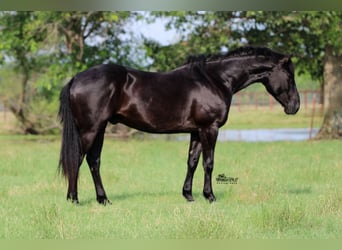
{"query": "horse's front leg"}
pixel 195 150
pixel 208 137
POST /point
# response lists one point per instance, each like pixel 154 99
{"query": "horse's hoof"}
pixel 73 201
pixel 211 200
pixel 190 199
pixel 210 197
pixel 188 196
pixel 107 202
pixel 104 201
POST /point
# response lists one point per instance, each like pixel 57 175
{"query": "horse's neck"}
pixel 246 73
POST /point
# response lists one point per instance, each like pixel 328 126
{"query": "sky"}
pixel 156 31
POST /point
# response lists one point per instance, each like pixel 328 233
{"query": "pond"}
pixel 255 135
pixel 250 135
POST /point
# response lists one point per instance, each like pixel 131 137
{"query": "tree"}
pixel 332 123
pixel 314 39
pixel 201 33
pixel 44 49
pixel 19 44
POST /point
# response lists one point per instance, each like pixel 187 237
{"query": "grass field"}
pixel 284 190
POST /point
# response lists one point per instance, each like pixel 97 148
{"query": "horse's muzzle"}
pixel 292 107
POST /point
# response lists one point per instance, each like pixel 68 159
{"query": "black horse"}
pixel 193 98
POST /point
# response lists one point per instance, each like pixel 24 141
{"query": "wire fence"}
pixel 308 98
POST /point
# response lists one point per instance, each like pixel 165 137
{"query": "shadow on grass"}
pixel 134 197
pixel 297 191
pixel 153 197
pixel 143 195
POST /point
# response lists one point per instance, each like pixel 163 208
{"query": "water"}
pixel 255 135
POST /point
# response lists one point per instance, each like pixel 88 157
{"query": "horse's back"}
pixel 101 73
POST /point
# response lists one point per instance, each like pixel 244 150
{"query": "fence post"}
pixel 239 101
pixel 312 115
pixel 256 100
pixel 305 99
pixel 271 102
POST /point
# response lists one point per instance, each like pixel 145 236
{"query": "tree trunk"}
pixel 332 122
pixel 19 107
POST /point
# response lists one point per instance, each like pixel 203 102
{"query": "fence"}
pixel 308 99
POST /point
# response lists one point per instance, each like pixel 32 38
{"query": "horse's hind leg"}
pixel 72 183
pixel 93 160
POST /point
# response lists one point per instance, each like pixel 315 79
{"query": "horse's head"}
pixel 281 85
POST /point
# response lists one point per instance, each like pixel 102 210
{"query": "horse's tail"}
pixel 70 155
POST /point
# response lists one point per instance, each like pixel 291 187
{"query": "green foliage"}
pixel 201 33
pixel 45 49
pixel 166 57
pixel 306 35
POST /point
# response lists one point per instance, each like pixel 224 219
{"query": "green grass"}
pixel 285 190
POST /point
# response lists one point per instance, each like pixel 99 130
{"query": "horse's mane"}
pixel 246 51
